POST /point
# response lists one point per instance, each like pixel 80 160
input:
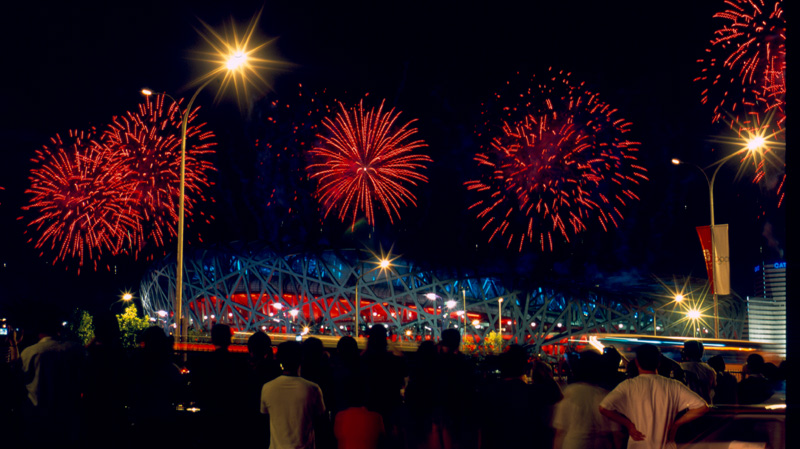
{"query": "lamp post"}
pixel 433 296
pixel 464 298
pixel 294 313
pixel 500 319
pixel 755 143
pixel 451 304
pixel 382 265
pixel 234 63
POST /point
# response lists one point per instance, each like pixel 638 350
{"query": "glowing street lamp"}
pixel 694 316
pixel 236 63
pixel 753 144
pixel 126 297
pixel 383 264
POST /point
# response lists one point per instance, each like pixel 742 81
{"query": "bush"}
pixel 130 325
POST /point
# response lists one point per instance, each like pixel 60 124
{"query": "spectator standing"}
pixel 610 375
pixel 648 404
pixel 294 405
pixel 725 391
pixel 357 427
pixel 156 387
pixel 516 413
pixel 51 371
pixel 754 388
pixel 346 374
pixel 262 368
pixel 105 383
pixel 456 388
pixel 577 421
pixel 421 398
pixel 384 377
pixel 316 368
pixel 700 377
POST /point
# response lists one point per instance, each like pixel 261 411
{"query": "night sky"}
pixel 76 64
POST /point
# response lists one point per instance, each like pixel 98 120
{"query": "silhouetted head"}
pixel 155 343
pixel 259 345
pixel 717 362
pixel 514 361
pixel 347 348
pixel 693 350
pixel 106 328
pixel 755 364
pixel 586 366
pixel 290 355
pixel 610 359
pixel 312 348
pixel 221 335
pixel 377 338
pixel 451 339
pixel 770 371
pixel 648 357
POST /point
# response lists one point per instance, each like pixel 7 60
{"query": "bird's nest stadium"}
pixel 250 287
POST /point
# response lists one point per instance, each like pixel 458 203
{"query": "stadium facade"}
pixel 250 287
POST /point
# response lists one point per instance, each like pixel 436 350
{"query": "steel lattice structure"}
pixel 251 287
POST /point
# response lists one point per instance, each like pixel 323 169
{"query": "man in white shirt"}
pixel 293 404
pixel 648 404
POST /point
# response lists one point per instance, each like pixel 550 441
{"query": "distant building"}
pixel 766 311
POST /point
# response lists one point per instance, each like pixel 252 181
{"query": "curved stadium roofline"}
pixel 251 287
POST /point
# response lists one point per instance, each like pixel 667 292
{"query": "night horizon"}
pixel 439 66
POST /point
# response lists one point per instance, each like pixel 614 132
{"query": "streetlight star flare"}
pixel 238 58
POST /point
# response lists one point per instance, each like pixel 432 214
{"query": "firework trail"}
pixel 556 161
pixel 366 159
pixel 283 196
pixel 148 142
pixel 745 69
pixel 82 196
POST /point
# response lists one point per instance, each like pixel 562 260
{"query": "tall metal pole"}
pixel 181 325
pixel 713 248
pixel 358 304
pixel 464 297
pixel 500 319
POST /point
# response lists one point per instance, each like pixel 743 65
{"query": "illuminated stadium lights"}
pixel 249 279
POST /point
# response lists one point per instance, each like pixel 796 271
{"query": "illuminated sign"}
pixel 779 265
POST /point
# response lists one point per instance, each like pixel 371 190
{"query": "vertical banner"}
pixel 704 232
pixel 722 260
pixel 719 255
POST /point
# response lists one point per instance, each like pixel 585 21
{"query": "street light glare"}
pixel 236 60
pixel 127 297
pixel 431 296
pixel 678 297
pixel 147 92
pixel 676 161
pixel 693 314
pixel 755 143
pixel 385 263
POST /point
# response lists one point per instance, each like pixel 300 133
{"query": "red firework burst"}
pixel 746 67
pixel 83 198
pixel 366 157
pixel 557 162
pixel 148 143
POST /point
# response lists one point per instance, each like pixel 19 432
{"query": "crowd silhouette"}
pixel 56 392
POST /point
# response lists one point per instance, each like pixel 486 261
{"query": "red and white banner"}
pixel 718 255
